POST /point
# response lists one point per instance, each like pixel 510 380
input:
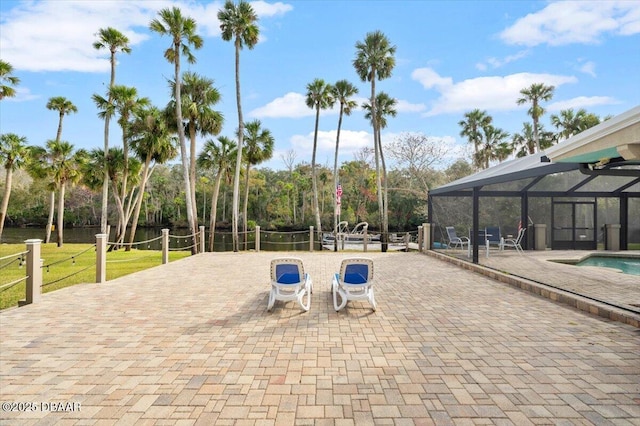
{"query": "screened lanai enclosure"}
pixel 582 194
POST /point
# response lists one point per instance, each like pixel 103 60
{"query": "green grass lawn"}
pixel 72 264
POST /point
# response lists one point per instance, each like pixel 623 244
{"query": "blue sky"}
pixel 451 57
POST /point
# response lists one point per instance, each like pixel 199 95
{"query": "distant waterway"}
pixel 223 241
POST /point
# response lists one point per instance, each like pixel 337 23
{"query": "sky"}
pixel 451 57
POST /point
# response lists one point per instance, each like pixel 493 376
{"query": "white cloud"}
pixel 291 105
pixel 497 63
pixel 581 102
pixel 430 79
pixel 266 10
pixel 32 38
pixel 589 68
pixel 350 142
pixel 570 22
pixel 405 106
pixel 495 93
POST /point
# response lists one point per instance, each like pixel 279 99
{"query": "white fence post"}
pixel 165 246
pixel 365 234
pixel 202 239
pixel 420 239
pixel 257 238
pixel 311 238
pixel 34 272
pixel 101 258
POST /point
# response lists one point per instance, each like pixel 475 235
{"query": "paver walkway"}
pixel 191 343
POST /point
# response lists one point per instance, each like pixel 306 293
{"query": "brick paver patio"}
pixel 191 342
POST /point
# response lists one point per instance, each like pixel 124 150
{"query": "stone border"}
pixel 557 295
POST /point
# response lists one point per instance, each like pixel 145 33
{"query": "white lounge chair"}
pixel 515 242
pixel 289 282
pixel 454 240
pixel 353 282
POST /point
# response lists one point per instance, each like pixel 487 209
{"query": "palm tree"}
pixel 151 140
pixel 536 93
pixel 7 91
pixel 259 148
pixel 319 96
pixel 342 93
pixel 375 61
pixel 238 23
pixel 198 97
pixel 64 107
pixel 125 101
pixel 494 146
pixel 524 143
pixel 113 40
pixel 218 157
pixel 13 154
pixel 385 107
pixel 472 126
pixel 571 123
pixel 65 168
pixel 183 35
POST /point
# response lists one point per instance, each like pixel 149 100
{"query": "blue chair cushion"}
pixel 356 274
pixel 287 274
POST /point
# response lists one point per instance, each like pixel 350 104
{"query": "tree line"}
pixel 132 179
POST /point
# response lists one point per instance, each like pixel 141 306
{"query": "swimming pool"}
pixel 627 265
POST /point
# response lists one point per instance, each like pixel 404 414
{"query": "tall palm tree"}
pixel 238 23
pixel 494 146
pixel 13 155
pixel 259 148
pixel 64 107
pixel 6 90
pixel 385 107
pixel 319 96
pixel 113 40
pixel 571 123
pixel 535 94
pixel 65 169
pixel 375 61
pixel 523 143
pixel 217 156
pixel 125 101
pixel 342 93
pixel 198 97
pixel 182 31
pixel 472 126
pixel 151 140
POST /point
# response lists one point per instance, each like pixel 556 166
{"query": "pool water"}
pixel 627 265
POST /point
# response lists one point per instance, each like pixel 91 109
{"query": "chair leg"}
pixel 272 299
pixel 308 305
pixel 372 300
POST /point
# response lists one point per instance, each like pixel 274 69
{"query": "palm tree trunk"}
pixel 183 154
pixel 60 214
pixel 246 206
pixel 385 223
pixel 192 171
pixel 376 146
pixel 316 207
pixel 214 210
pixel 236 181
pixel 105 183
pixel 136 213
pixel 5 199
pixel 335 183
pixel 52 204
